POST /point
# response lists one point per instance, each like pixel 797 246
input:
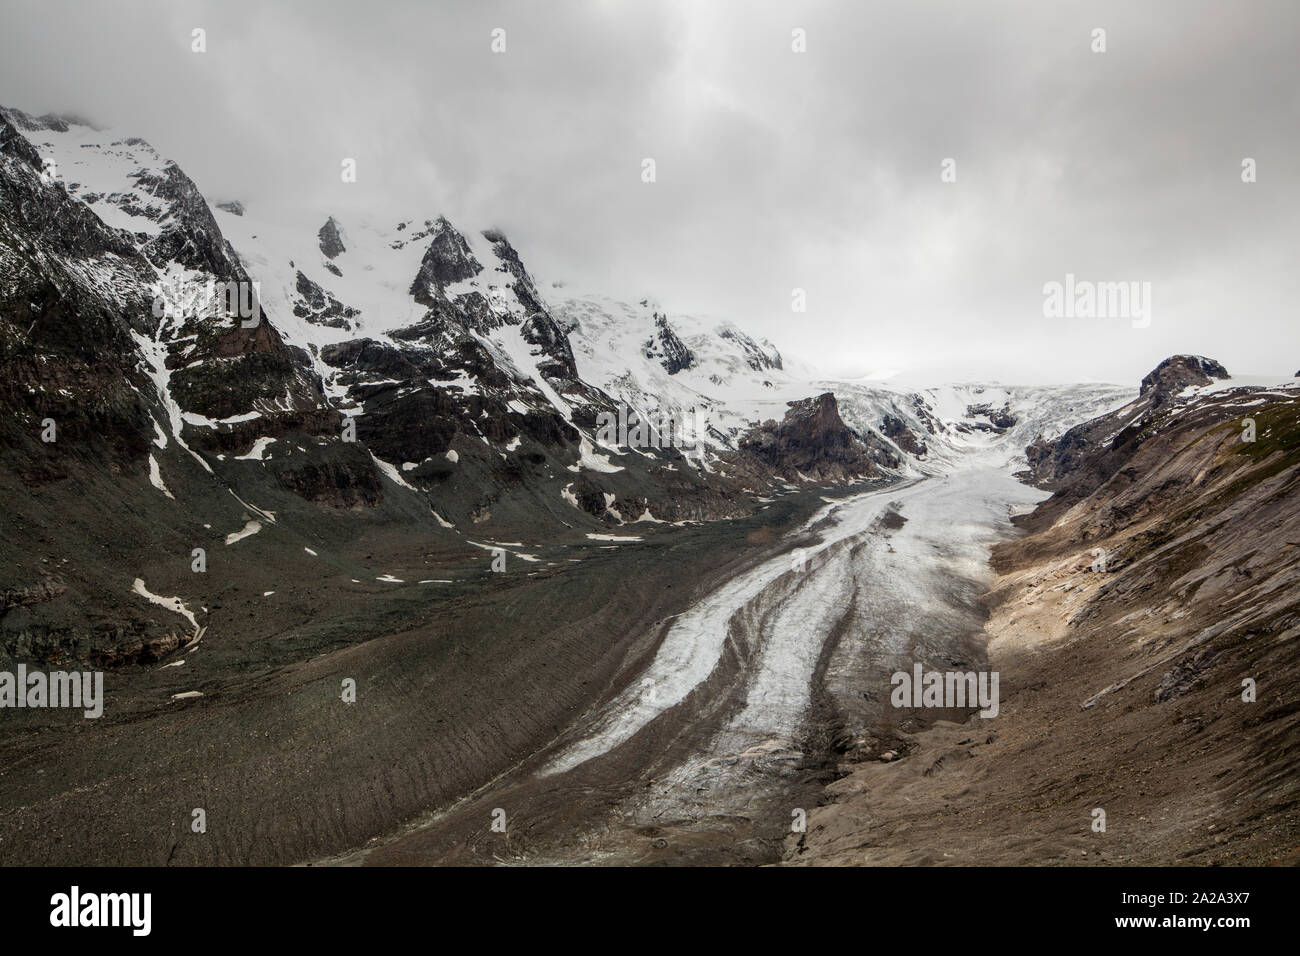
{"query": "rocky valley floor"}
pixel 716 693
pixel 754 695
pixel 459 672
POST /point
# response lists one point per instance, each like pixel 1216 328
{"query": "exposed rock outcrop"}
pixel 1090 453
pixel 44 590
pixel 811 442
pixel 999 420
pixel 320 307
pixel 331 243
pixel 523 286
pixel 896 430
pixel 665 346
pixel 448 259
pixel 759 356
pixel 1179 371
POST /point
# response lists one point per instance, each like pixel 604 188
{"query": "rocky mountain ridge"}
pixel 365 377
pixel 1144 630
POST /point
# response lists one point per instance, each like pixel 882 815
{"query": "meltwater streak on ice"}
pixel 954 515
pixel 791 637
pixel 693 646
pixel 893 582
pixel 951 522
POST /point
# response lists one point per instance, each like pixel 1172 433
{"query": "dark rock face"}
pixel 320 307
pixel 367 357
pixel 999 419
pixel 591 497
pixel 471 311
pixel 79 363
pixel 408 418
pixel 31 124
pixel 665 345
pixel 230 370
pixel 523 284
pixel 45 590
pixel 13 143
pixel 223 390
pixel 1091 453
pixel 448 259
pixel 812 441
pixel 342 475
pixel 238 437
pixel 331 244
pixel 1038 451
pixel 39 213
pixel 546 428
pixel 66 351
pixel 446 345
pixel 926 414
pixel 756 356
pixel 410 427
pixel 1176 373
pixel 544 332
pixel 896 430
pixel 189 234
pixel 84 347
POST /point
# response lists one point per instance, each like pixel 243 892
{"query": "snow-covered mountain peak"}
pixel 402 319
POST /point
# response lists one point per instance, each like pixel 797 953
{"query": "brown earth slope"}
pixel 1122 687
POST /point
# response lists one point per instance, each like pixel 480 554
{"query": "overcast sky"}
pixel 775 169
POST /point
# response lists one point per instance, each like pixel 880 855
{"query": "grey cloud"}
pixel 776 170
